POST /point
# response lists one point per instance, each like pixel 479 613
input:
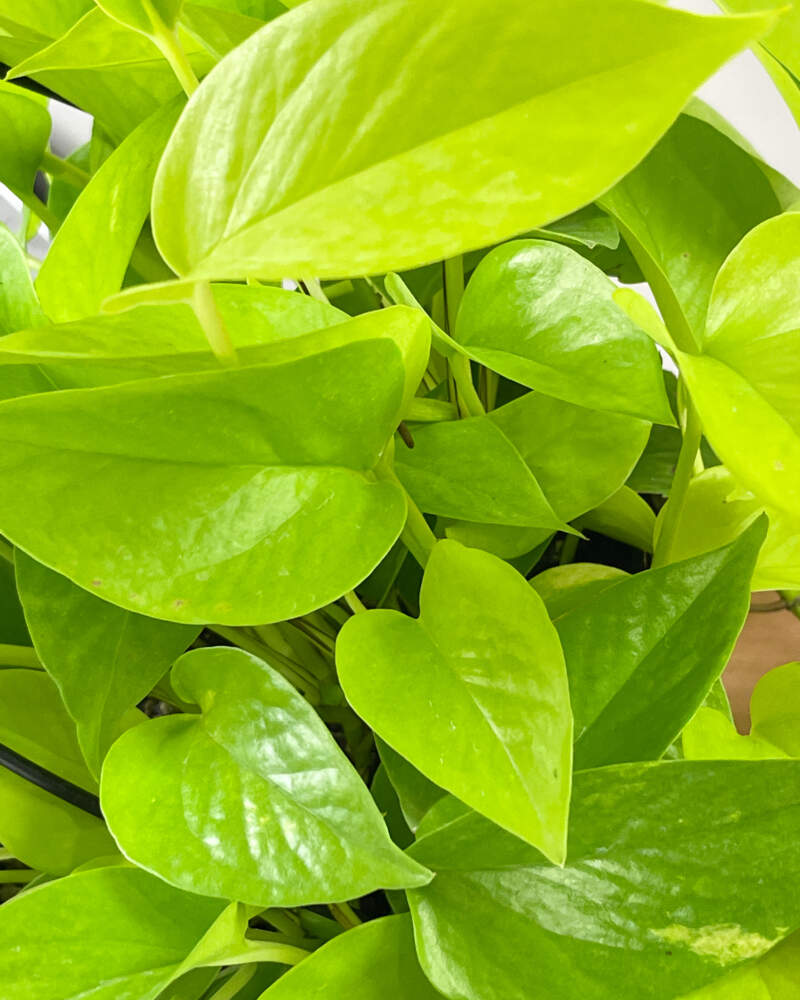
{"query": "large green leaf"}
pixel 38 827
pixel 642 653
pixel 87 261
pixel 24 131
pixel 257 181
pixel 541 315
pixel 19 307
pixel 112 933
pixel 255 800
pixel 683 210
pixel 774 977
pixel 715 511
pixel 373 962
pixel 147 16
pixel 240 496
pixel 677 872
pixel 745 383
pixel 482 664
pixel 104 667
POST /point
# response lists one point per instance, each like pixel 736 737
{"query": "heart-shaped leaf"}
pixel 482 664
pixel 240 496
pixel 745 383
pixel 677 872
pixel 256 180
pixel 108 665
pixel 107 933
pixel 643 653
pixel 541 315
pixel 255 800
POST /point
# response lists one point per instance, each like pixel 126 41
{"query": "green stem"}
pixel 692 435
pixel 19 656
pixel 293 672
pixel 453 289
pixel 314 288
pixel 343 915
pixel 469 402
pixel 210 319
pixel 170 47
pixel 416 535
pixel 236 983
pixel 18 876
pixel 568 550
pixel 284 922
pixel 354 602
pixel 283 954
pixel 57 167
pixel 44 212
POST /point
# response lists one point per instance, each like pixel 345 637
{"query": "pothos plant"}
pixel 367 580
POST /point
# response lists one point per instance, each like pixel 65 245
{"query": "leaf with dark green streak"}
pixel 256 180
pixel 37 826
pixel 106 666
pixel 87 261
pixel 375 961
pixel 541 315
pixel 482 664
pixel 236 496
pixel 677 873
pixel 643 653
pixel 109 933
pixel 255 800
pixel 683 210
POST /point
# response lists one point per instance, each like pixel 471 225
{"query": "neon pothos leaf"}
pixel 483 665
pixel 255 800
pixel 256 180
pixel 266 514
pixel 744 384
pixel 677 872
pixel 107 666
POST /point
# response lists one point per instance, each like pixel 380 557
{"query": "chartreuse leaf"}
pixel 677 872
pixel 107 933
pixel 744 385
pixel 375 961
pixel 219 31
pixel 483 665
pixel 93 247
pixel 541 315
pixel 236 496
pixel 683 210
pixel 255 180
pixel 38 827
pixel 715 512
pixel 415 793
pixel 642 653
pixel 624 516
pixel 147 16
pixel 24 131
pixel 19 307
pixel 773 977
pixel 107 666
pixel 563 588
pixel 255 800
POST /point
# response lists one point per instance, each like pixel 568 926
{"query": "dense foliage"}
pixel 368 581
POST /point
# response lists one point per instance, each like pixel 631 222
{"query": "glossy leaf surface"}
pixel 86 262
pixel 642 653
pixel 24 130
pixel 482 664
pixel 113 661
pixel 745 384
pixel 19 307
pixel 374 961
pixel 265 515
pixel 143 15
pixel 677 872
pixel 255 800
pixel 37 826
pixel 541 315
pixel 256 181
pixel 108 933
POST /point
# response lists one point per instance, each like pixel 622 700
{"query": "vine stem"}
pixel 210 319
pixel 354 602
pixel 19 656
pixel 684 470
pixel 293 672
pixel 344 915
pixel 416 535
pixel 63 168
pixel 42 211
pixel 235 983
pixel 170 47
pixel 467 398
